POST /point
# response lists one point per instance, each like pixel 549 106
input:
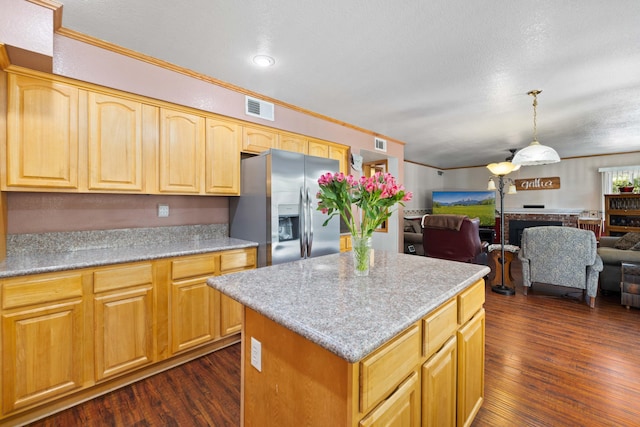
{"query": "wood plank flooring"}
pixel 550 361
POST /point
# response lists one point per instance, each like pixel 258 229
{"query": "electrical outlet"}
pixel 256 354
pixel 163 211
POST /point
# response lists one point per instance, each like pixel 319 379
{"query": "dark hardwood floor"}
pixel 550 361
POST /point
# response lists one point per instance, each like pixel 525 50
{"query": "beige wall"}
pixel 580 182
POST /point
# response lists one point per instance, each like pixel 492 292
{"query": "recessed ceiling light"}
pixel 263 60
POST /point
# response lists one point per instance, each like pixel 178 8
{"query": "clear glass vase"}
pixel 361 249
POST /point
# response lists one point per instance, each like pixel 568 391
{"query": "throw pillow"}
pixel 636 247
pixel 627 241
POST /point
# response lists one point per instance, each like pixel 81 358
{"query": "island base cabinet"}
pixel 439 375
pixel 401 409
pixel 471 368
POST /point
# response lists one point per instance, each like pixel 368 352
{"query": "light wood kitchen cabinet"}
pixel 293 142
pixel 330 150
pixel 439 387
pixel 318 148
pixel 401 409
pixel 345 243
pixel 198 313
pixel 230 309
pixel 256 139
pixel 124 318
pixel 42 134
pixel 471 342
pixel 471 369
pixel 180 151
pixel 222 157
pixel 70 335
pixel 115 143
pixel 43 338
pixel 192 313
pixel 341 154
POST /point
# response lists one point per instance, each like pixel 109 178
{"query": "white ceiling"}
pixel 449 78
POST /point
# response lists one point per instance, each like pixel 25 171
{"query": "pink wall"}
pixel 46 212
pixel 51 212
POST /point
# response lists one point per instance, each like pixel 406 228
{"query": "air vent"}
pixel 258 108
pixel 380 144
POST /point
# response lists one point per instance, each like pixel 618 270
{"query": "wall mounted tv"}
pixel 481 204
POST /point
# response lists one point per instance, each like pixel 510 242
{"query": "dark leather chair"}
pixel 453 237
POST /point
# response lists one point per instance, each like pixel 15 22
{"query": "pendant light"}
pixel 535 153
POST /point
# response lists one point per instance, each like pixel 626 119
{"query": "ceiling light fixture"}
pixel 535 153
pixel 263 60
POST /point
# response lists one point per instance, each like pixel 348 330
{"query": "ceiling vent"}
pixel 258 108
pixel 380 144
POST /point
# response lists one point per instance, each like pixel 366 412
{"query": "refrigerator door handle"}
pixel 302 226
pixel 310 226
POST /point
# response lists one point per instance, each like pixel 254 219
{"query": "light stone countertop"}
pixel 24 264
pixel 322 300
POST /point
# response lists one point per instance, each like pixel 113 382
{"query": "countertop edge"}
pixel 17 266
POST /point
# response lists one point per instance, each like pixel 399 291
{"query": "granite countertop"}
pixel 23 264
pixel 322 300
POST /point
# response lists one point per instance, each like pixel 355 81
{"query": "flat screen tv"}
pixel 481 204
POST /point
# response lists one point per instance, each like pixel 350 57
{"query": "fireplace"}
pixel 516 227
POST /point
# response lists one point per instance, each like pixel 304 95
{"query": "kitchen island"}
pixel 323 347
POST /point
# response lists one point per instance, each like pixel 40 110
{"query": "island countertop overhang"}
pixel 322 300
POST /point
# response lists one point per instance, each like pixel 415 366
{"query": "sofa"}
pixel 613 257
pixel 413 236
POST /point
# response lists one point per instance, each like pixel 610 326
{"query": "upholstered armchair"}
pixel 453 237
pixel 562 256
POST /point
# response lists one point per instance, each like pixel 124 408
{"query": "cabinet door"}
pixel 192 314
pixel 124 319
pixel 401 409
pixel 42 134
pixel 230 315
pixel 471 368
pixel 345 243
pixel 115 143
pixel 293 142
pixel 257 140
pixel 341 154
pixel 181 142
pixel 42 353
pixel 222 157
pixel 439 387
pixel 318 149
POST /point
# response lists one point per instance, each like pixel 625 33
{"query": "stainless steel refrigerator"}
pixel 277 207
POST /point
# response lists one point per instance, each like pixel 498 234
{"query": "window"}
pixel 617 177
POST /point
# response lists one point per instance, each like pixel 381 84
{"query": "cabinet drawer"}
pixel 237 260
pixel 40 289
pixel 470 301
pixel 193 267
pixel 401 408
pixel 438 327
pixel 382 371
pixel 122 277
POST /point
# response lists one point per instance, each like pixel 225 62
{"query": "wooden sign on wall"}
pixel 552 183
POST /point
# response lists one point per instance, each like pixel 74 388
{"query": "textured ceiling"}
pixel 448 78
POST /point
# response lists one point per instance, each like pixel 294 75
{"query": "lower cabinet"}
pixel 471 368
pixel 43 338
pixel 345 243
pixel 402 408
pixel 67 333
pixel 439 375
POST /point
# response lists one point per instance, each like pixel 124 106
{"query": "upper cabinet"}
pixel 42 134
pixel 222 169
pixel 69 136
pixel 256 139
pixel 180 153
pixel 114 143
